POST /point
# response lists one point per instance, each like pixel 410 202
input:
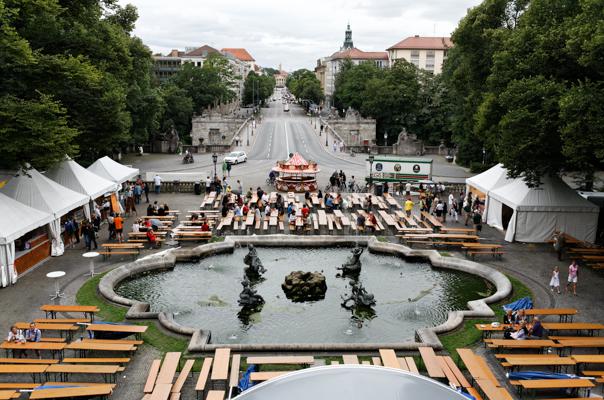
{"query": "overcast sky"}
pixel 294 33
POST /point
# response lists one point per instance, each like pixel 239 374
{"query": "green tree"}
pixel 304 85
pixel 257 88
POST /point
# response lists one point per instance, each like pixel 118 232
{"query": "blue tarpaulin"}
pixel 529 375
pixel 244 382
pixel 468 395
pixel 524 303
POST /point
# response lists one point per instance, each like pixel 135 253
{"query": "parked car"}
pixel 236 157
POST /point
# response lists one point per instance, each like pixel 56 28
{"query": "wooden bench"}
pixel 182 377
pixel 99 360
pixel 350 359
pixel 53 340
pixel 18 386
pixel 474 393
pixel 267 375
pixel 204 374
pixel 431 362
pixel 61 320
pixel 28 361
pixel 215 395
pixel 168 369
pixel 376 361
pixel 234 378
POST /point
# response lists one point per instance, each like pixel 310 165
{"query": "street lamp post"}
pixel 370 159
pixel 385 138
pixel 215 160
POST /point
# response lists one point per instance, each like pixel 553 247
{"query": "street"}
pixel 279 134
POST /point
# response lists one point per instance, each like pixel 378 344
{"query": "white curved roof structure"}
pixel 77 178
pixel 490 179
pixel 16 219
pixel 112 170
pixel 350 382
pixel 37 191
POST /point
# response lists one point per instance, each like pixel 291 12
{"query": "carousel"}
pixel 296 175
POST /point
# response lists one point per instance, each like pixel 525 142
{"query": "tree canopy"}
pixel 257 88
pixel 402 97
pixel 304 85
pixel 526 78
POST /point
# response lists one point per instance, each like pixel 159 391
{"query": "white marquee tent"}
pixel 16 219
pixel 77 178
pixel 538 212
pixel 487 181
pixel 37 191
pixel 112 170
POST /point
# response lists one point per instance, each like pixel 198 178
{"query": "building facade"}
pixel 427 53
pixel 328 68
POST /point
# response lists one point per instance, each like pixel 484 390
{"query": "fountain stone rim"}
pixel 200 338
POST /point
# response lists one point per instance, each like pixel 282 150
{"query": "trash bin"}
pixel 379 189
pixel 197 188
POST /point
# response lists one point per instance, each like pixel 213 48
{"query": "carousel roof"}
pixel 297 160
pixel 296 164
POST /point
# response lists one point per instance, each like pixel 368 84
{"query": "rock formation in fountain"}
pixel 302 286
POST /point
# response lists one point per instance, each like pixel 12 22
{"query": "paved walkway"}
pixel 530 263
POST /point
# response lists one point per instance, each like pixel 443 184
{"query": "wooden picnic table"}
pixel 125 245
pixel 168 368
pixel 589 358
pixel 9 394
pixel 352 359
pixel 322 217
pixel 68 328
pixel 541 384
pixel 34 369
pixel 53 309
pixel 266 375
pixel 585 342
pixel 387 218
pixel 71 392
pixel 573 326
pixel 476 369
pixel 436 224
pixel 137 330
pixel 63 370
pixel 564 313
pixel 591 257
pixel 586 251
pixel 161 391
pixel 389 359
pixel 159 217
pixel 492 390
pixel 82 347
pixel 523 344
pixel 431 362
pixel 53 347
pixel 220 371
pixel 281 360
pixel 555 362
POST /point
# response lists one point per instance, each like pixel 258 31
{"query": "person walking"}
pixel 559 244
pixel 157 183
pixel 224 168
pixel 146 190
pixel 119 228
pixel 573 272
pixel 208 184
pixel 229 166
pixel 554 282
pixel 409 206
pixel 477 220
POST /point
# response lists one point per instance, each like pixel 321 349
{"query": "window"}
pixel 415 57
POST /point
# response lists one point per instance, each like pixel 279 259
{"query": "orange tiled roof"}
pixel 241 54
pixel 202 51
pixel 357 54
pixel 424 43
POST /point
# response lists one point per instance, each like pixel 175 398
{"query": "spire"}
pixel 348 38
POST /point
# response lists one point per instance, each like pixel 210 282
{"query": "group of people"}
pixel 520 328
pixel 33 334
pixel 571 283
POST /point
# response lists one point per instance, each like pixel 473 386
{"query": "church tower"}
pixel 348 39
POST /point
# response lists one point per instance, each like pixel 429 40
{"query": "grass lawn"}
pixel 467 334
pixel 88 295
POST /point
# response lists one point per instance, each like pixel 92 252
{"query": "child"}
pixel 554 283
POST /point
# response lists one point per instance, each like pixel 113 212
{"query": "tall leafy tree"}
pixel 305 86
pixel 257 88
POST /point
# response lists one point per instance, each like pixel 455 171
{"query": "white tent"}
pixel 112 170
pixel 75 177
pixel 16 219
pixel 487 181
pixel 538 212
pixel 37 191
